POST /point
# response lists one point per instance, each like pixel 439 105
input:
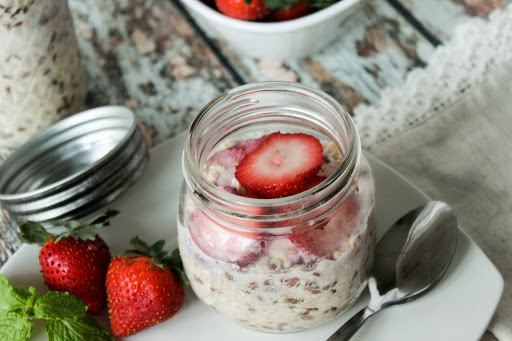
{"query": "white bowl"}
pixel 281 40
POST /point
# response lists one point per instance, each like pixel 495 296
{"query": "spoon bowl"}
pixel 410 259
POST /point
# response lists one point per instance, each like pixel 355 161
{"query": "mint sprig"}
pixel 66 315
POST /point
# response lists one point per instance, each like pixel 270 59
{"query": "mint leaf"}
pixel 59 305
pixel 15 327
pixel 82 329
pixel 66 315
pixel 12 299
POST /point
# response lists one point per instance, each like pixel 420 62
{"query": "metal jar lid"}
pixel 74 167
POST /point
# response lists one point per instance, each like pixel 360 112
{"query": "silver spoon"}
pixel 410 259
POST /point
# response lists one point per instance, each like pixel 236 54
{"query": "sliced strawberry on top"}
pixel 223 244
pixel 243 9
pixel 324 240
pixel 252 195
pixel 282 165
pixel 315 180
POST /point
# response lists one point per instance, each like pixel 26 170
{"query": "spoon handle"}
pixel 347 330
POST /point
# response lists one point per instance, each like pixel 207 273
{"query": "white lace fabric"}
pixel 448 129
pixel 476 48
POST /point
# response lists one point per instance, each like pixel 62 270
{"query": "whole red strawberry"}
pixel 142 290
pixel 243 9
pixel 75 261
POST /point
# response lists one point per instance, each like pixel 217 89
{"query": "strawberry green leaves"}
pixel 66 315
pixel 34 233
pixel 87 230
pixel 159 256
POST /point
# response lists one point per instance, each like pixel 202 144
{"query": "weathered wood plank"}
pixel 376 49
pixel 145 55
pixel 442 16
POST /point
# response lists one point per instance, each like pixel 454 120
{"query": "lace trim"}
pixel 476 48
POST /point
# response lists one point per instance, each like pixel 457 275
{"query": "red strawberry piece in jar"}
pixel 228 159
pixel 314 181
pixel 282 165
pixel 228 189
pixel 323 240
pixel 236 247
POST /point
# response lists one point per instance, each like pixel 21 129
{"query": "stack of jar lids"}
pixel 75 167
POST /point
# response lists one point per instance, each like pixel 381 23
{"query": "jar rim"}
pixel 216 199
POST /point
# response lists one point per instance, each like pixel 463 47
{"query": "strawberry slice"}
pixel 315 180
pixel 223 244
pixel 282 165
pixel 324 240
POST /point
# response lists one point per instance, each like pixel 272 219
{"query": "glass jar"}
pixel 285 264
pixel 42 78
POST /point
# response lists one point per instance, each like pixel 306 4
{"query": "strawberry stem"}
pixel 160 258
pixel 87 230
pixel 34 233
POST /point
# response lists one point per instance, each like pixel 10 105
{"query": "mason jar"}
pixel 281 264
pixel 42 79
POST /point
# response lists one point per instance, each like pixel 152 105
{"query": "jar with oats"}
pixel 275 223
pixel 41 75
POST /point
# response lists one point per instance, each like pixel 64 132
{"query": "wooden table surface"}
pixel 150 56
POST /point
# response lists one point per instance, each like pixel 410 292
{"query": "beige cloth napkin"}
pixel 463 155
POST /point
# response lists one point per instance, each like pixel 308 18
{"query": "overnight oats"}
pixel 276 213
pixel 42 79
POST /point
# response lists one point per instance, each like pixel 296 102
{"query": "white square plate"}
pixel 459 308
